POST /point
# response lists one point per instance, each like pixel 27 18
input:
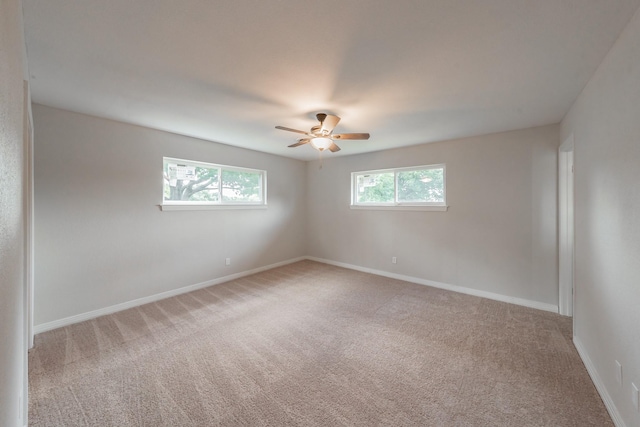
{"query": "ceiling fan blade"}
pixel 333 148
pixel 300 142
pixel 328 122
pixel 291 130
pixel 351 136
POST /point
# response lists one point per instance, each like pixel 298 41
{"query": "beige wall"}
pixel 498 236
pixel 12 324
pixel 101 239
pixel 98 247
pixel 605 123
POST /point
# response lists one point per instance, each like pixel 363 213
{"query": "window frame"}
pixel 214 205
pixel 397 205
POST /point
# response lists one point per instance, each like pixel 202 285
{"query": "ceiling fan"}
pixel 321 137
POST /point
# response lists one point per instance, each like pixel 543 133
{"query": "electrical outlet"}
pixel 635 397
pixel 227 261
pixel 394 260
pixel 618 373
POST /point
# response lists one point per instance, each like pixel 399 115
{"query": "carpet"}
pixel 309 344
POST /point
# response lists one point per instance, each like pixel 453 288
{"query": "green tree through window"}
pixel 203 187
pixel 186 181
pixel 376 188
pixel 420 185
pixel 426 185
pixel 241 186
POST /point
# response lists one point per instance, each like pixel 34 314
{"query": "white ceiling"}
pixel 407 71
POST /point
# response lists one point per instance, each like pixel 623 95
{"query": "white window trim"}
pixel 406 206
pixel 208 207
pixel 180 205
pixel 372 207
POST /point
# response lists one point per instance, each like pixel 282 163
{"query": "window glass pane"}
pixel 241 186
pixel 426 185
pixel 375 188
pixel 190 183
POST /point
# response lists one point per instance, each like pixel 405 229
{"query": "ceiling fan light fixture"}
pixel 321 136
pixel 321 144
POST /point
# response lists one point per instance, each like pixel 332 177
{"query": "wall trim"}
pixel 460 289
pixel 566 227
pixel 582 352
pixel 600 387
pixel 55 324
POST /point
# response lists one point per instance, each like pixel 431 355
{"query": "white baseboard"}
pixel 606 398
pixel 469 291
pixel 602 390
pixel 43 327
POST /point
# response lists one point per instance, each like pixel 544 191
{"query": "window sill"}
pixel 208 207
pixel 401 208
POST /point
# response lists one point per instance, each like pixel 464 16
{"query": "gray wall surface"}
pixel 605 123
pixel 498 236
pixel 100 237
pixel 101 240
pixel 12 325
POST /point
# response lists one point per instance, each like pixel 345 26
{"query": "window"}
pixel 419 187
pixel 197 185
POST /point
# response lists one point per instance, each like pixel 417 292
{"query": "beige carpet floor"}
pixel 314 345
